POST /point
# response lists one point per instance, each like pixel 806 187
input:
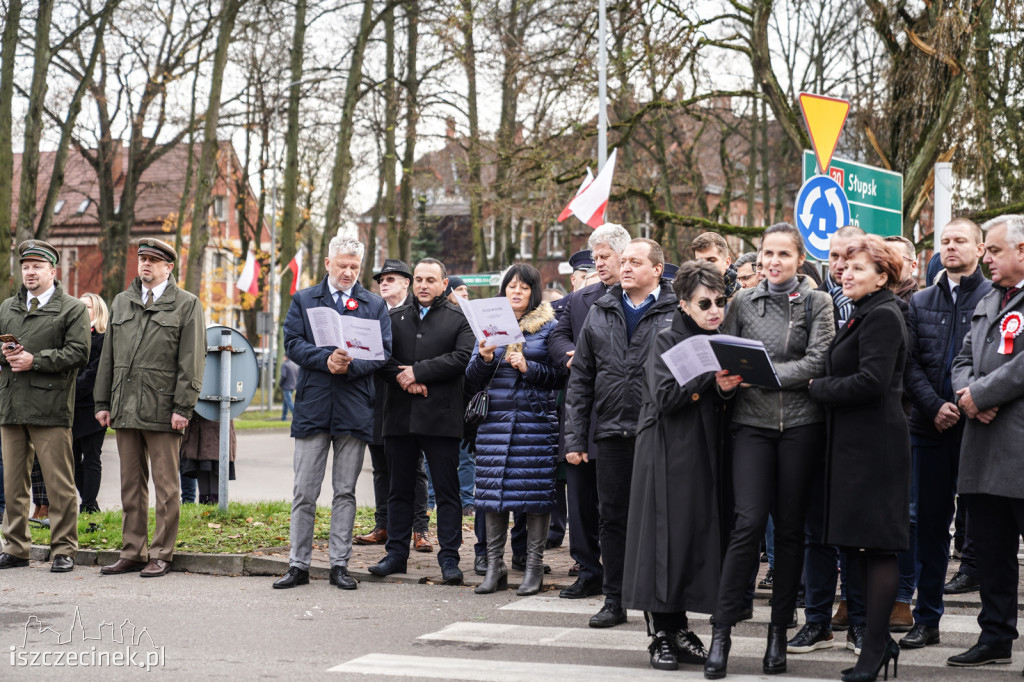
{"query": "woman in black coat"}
pixel 869 443
pixel 86 433
pixel 674 534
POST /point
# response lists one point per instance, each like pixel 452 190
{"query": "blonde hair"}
pixel 99 311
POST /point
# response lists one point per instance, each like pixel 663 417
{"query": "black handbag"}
pixel 476 410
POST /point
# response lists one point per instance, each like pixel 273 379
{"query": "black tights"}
pixel 209 487
pixel 879 575
pixel 665 622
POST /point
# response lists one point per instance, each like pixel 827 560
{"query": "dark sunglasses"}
pixel 705 303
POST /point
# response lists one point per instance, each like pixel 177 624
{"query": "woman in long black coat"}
pixel 869 442
pixel 674 535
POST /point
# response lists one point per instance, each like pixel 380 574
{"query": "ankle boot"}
pixel 536 536
pixel 775 655
pixel 718 658
pixel 496 526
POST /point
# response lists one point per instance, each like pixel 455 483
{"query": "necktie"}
pixel 341 302
pixel 423 312
pixel 1008 295
pixel 33 305
pixel 149 297
pixel 954 291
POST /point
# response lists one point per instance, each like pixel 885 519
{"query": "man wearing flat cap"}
pixel 147 384
pixel 47 341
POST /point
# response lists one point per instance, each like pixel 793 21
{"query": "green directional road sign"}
pixel 875 194
pixel 481 280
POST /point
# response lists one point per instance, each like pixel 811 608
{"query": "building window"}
pixel 220 208
pixel 58 207
pixel 526 239
pixel 555 238
pixel 82 207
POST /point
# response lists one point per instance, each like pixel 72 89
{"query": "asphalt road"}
pixel 209 627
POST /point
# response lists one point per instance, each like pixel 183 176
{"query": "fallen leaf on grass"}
pixel 213 525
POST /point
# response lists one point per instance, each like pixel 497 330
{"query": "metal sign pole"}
pixel 225 417
pixel 602 85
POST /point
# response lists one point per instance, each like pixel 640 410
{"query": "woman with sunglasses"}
pixel 778 438
pixel 674 530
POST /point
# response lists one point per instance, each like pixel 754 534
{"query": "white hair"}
pixel 615 236
pixel 346 246
pixel 1014 227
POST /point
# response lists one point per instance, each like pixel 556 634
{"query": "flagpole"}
pixel 602 86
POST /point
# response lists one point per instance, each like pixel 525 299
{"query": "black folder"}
pixel 747 358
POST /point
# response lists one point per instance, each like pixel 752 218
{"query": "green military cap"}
pixel 158 249
pixel 37 249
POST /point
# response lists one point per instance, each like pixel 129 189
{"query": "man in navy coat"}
pixel 333 408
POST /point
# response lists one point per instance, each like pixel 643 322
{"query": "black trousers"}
pixel 584 519
pixel 88 468
pixel 771 473
pixel 614 477
pixel 937 463
pixel 556 531
pixel 996 526
pixel 403 453
pixel 382 486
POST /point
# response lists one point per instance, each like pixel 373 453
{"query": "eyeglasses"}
pixel 744 278
pixel 705 303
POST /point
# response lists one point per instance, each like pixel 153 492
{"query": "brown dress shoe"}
pixel 123 566
pixel 376 537
pixel 841 621
pixel 155 568
pixel 901 619
pixel 420 543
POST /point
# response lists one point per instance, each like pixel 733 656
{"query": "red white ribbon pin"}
pixel 1009 328
pixel 351 304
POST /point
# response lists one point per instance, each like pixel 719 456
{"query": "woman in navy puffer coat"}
pixel 517 444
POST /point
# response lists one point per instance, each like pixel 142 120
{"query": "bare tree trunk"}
pixel 412 115
pixel 179 231
pixel 390 124
pixel 291 165
pixel 7 52
pixel 207 172
pixel 473 157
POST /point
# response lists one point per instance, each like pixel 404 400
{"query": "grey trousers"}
pixel 310 466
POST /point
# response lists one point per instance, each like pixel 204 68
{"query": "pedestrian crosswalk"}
pixel 545 630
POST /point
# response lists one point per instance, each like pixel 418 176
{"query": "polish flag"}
pixel 586 181
pixel 296 268
pixel 591 200
pixel 249 280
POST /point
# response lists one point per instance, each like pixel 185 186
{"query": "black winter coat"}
pixel 937 328
pixel 675 532
pixel 85 407
pixel 607 374
pixel 868 466
pixel 438 348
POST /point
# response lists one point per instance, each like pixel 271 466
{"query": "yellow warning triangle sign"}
pixel 825 117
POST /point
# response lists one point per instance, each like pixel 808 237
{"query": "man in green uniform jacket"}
pixel 48 341
pixel 147 384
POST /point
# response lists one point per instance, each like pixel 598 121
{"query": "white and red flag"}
pixel 591 199
pixel 296 269
pixel 249 280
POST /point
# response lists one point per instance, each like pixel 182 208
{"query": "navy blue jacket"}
pixel 517 444
pixel 337 404
pixel 937 328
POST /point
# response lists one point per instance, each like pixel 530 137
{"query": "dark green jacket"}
pixel 153 359
pixel 57 335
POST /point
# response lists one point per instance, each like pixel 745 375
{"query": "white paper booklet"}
pixel 360 337
pixel 695 356
pixel 492 320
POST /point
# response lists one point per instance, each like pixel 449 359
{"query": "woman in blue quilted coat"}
pixel 517 444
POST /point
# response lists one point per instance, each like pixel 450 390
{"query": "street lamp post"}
pixel 602 85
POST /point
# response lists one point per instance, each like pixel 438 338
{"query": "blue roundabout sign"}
pixel 821 209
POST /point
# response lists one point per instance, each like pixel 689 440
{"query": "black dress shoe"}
pixel 387 566
pixel 62 563
pixel 11 561
pixel 574 570
pixel 294 576
pixel 745 614
pixel 961 583
pixel 610 615
pixel 919 637
pixel 581 589
pixel 341 578
pixel 451 574
pixel 480 565
pixel 663 654
pixel 519 563
pixel 980 654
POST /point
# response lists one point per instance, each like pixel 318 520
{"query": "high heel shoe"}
pixel 717 662
pixel 892 651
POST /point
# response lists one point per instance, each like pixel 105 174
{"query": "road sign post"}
pixel 481 279
pixel 875 195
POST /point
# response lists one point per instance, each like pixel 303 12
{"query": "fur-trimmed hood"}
pixel 532 322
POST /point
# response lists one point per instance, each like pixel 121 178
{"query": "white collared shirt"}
pixel 158 291
pixel 44 297
pixel 335 293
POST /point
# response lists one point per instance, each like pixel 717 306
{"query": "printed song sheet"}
pixel 492 320
pixel 358 336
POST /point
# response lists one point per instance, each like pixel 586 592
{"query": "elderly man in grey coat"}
pixel 988 376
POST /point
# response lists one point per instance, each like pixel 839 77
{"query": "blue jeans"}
pixel 935 473
pixel 287 404
pixel 769 541
pixel 467 479
pixel 189 488
pixel 908 558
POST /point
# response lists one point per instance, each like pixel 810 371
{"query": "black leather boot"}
pixel 536 537
pixel 775 653
pixel 718 658
pixel 496 526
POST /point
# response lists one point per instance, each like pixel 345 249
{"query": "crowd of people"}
pixel 896 408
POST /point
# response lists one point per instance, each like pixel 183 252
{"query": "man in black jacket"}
pixel 939 319
pixel 606 244
pixel 605 388
pixel 423 411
